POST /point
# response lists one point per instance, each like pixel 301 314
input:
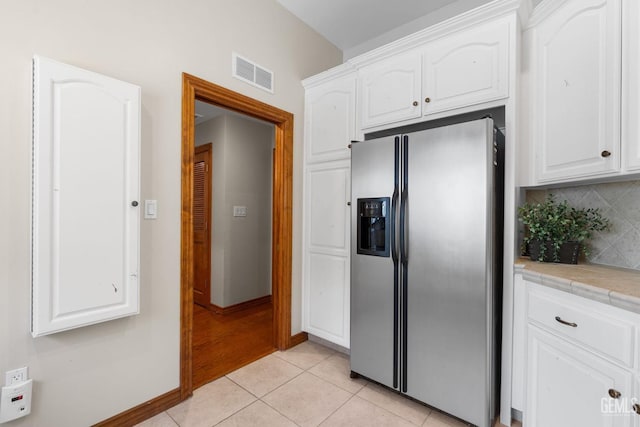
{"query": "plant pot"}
pixel 568 253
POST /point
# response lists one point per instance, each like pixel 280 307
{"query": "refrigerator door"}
pixel 448 292
pixel 374 287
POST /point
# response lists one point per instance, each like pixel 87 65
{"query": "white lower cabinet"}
pixel 635 402
pixel 568 386
pixel 326 268
pixel 576 360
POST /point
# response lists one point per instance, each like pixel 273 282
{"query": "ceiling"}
pixel 348 23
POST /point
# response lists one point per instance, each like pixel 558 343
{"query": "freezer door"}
pixel 448 296
pixel 374 292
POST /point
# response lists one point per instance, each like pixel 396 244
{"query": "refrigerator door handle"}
pixel 394 255
pixel 393 239
pixel 404 256
pixel 404 198
pixel 404 237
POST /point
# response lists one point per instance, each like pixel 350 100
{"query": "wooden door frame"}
pixel 194 88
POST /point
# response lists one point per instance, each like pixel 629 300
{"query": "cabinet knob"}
pixel 636 408
pixel 605 153
pixel 427 100
pixel 348 203
pixel 134 203
pixel 415 103
pixel 614 393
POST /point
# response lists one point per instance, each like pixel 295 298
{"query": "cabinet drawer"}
pixel 582 322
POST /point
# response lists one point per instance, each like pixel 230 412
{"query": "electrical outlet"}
pixel 14 376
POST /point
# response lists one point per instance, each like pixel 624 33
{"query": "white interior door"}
pixel 86 139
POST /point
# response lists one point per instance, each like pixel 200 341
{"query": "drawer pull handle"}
pixel 615 394
pixel 636 408
pixel 564 322
pixel 605 153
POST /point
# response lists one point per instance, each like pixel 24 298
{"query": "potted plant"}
pixel 556 231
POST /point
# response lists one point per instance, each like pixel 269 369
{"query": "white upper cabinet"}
pixel 576 90
pixel 389 90
pixel 85 214
pixel 467 68
pixel 631 86
pixel 330 119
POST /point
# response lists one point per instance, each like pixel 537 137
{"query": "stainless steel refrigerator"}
pixel 426 268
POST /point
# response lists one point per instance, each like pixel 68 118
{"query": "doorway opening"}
pixel 194 89
pixel 232 221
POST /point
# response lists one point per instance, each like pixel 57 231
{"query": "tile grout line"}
pixel 337 409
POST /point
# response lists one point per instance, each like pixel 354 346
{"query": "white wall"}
pixel 89 374
pixel 242 176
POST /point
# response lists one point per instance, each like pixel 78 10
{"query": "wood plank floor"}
pixel 224 343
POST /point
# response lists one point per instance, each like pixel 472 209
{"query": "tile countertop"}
pixel 615 286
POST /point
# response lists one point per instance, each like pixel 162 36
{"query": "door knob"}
pixel 605 153
pixel 614 393
pixel 427 100
pixel 415 103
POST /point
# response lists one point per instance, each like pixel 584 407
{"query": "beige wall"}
pixel 240 246
pixel 88 374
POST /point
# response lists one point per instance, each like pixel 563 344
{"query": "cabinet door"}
pixel 568 386
pixel 85 242
pixel 467 68
pixel 330 121
pixel 631 86
pixel 636 400
pixel 390 90
pixel 577 90
pixel 326 268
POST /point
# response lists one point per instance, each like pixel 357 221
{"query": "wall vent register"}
pixel 252 73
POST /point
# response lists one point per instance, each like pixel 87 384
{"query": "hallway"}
pixel 224 343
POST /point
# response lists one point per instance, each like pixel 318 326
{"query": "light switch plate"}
pixel 150 209
pixel 239 211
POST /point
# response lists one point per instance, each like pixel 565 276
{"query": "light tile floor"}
pixel 308 385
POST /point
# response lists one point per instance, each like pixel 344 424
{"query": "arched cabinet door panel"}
pixel 85 213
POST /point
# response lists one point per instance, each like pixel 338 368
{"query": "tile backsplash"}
pixel 620 203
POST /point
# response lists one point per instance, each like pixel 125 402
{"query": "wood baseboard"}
pixel 144 411
pixel 298 338
pixel 240 306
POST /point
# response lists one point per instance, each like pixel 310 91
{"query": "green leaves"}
pixel 558 222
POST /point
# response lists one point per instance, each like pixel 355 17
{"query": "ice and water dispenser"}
pixel 373 226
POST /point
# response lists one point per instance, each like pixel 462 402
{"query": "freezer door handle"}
pixel 394 242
